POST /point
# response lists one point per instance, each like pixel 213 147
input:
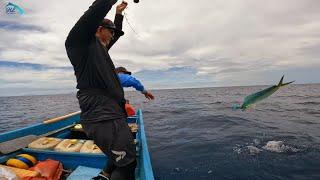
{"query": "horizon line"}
pixel 40 94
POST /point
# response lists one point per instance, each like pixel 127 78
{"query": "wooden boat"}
pixel 15 142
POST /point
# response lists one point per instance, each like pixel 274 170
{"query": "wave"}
pixel 309 103
pixel 306 122
pixel 292 96
pixel 216 102
pixel 315 113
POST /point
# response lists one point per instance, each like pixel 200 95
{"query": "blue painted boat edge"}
pixel 38 129
pixel 75 154
pixel 145 169
pixel 70 160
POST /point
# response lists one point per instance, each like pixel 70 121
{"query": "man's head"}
pixel 106 31
pixel 122 70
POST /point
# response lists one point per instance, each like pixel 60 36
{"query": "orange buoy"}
pixel 22 161
pixel 130 110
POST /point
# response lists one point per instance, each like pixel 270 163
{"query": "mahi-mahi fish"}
pixel 259 96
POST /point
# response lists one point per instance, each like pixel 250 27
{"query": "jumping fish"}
pixel 259 96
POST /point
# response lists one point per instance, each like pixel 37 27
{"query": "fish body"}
pixel 261 95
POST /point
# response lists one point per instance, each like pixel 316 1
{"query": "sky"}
pixel 170 44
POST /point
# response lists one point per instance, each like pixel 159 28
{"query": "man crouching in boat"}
pixel 100 94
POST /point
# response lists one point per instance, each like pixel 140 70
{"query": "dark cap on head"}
pixel 107 23
pixel 122 70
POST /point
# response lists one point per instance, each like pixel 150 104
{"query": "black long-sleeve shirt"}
pixel 92 64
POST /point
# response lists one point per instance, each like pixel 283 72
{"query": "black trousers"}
pixel 115 139
pixel 121 173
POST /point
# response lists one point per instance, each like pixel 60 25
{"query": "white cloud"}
pixel 219 39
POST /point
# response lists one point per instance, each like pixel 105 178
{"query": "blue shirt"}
pixel 127 80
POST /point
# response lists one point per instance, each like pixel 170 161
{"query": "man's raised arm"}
pixel 86 27
pixel 118 22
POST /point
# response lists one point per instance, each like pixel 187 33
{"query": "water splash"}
pixel 279 147
pixel 250 150
pixel 272 146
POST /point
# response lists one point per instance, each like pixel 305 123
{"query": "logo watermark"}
pixel 14 9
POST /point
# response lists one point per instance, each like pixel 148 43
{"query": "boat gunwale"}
pixel 145 172
pixel 36 129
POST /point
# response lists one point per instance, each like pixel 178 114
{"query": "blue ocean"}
pixel 194 133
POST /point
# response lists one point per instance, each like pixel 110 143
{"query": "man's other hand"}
pixel 148 95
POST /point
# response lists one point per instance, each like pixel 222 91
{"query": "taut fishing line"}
pixel 127 20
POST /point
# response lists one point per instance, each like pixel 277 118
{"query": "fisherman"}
pixel 100 95
pixel 127 80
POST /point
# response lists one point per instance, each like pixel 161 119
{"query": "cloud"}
pixel 175 77
pixel 27 78
pixel 221 43
pixel 18 65
pixel 7 25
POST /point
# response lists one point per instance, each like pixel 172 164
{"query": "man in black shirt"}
pixel 100 95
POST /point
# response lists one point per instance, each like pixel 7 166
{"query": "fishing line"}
pixel 127 20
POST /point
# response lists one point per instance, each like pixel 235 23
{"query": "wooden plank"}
pixel 60 118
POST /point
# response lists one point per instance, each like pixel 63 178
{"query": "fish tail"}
pixel 287 83
pixel 283 84
pixel 281 80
